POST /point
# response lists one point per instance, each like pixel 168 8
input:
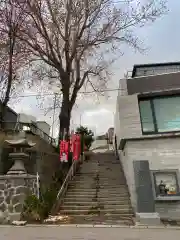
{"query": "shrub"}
pixel 38 209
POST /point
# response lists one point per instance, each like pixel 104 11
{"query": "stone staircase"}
pixel 98 194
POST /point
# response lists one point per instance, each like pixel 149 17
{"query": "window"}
pixel 160 114
pixel 146 116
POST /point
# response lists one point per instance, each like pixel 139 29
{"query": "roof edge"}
pixel 152 65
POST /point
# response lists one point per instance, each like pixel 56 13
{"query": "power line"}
pixel 53 94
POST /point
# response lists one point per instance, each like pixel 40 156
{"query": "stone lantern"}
pixel 17 184
pixel 19 145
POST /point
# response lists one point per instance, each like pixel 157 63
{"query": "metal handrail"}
pixel 60 196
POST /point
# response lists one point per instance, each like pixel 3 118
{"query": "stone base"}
pixel 150 219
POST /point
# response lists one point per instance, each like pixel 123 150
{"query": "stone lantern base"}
pixel 18 167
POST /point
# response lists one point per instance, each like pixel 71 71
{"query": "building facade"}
pixel 147 131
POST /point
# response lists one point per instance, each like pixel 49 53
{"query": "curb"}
pixel 96 226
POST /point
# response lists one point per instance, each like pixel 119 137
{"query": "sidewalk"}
pixel 85 233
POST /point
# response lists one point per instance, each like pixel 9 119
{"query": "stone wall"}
pixel 162 154
pixel 13 191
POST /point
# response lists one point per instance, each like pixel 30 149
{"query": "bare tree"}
pixel 13 55
pixel 79 39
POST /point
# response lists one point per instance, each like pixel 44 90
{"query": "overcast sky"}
pixel 162 40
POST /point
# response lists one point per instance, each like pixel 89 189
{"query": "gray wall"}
pixel 10 118
pixel 161 154
pixel 153 83
pixel 128 123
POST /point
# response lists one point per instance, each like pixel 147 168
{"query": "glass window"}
pixel 167 112
pixel 160 114
pixel 146 116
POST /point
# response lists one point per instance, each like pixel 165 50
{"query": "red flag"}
pixel 72 141
pixel 77 147
pixel 64 151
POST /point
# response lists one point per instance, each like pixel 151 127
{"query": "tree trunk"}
pixel 64 118
pixel 2 115
pixel 10 78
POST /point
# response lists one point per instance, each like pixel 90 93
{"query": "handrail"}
pixel 71 173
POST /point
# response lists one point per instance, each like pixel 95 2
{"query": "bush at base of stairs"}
pixel 36 210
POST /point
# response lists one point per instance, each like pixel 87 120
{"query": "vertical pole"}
pixel 38 186
pixel 54 111
pixel 80 119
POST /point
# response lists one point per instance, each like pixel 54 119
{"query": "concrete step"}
pixel 82 198
pixel 105 178
pixel 100 173
pixel 91 211
pixel 101 189
pixel 96 219
pixel 90 202
pixel 102 180
pixel 90 207
pixel 93 185
pixel 100 194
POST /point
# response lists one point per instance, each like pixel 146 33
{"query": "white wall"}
pixel 161 154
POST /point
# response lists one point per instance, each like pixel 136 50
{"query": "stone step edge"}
pixel 166 228
pixel 93 202
pixel 127 206
pixel 83 193
pixel 120 211
pixel 111 190
pixel 72 196
pixel 121 216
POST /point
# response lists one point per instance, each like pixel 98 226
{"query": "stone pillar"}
pixel 145 199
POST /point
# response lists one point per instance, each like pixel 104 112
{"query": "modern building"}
pixel 147 134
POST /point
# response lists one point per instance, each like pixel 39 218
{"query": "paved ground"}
pixel 72 233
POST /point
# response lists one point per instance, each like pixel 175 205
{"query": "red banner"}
pixel 64 145
pixel 76 147
pixel 72 141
